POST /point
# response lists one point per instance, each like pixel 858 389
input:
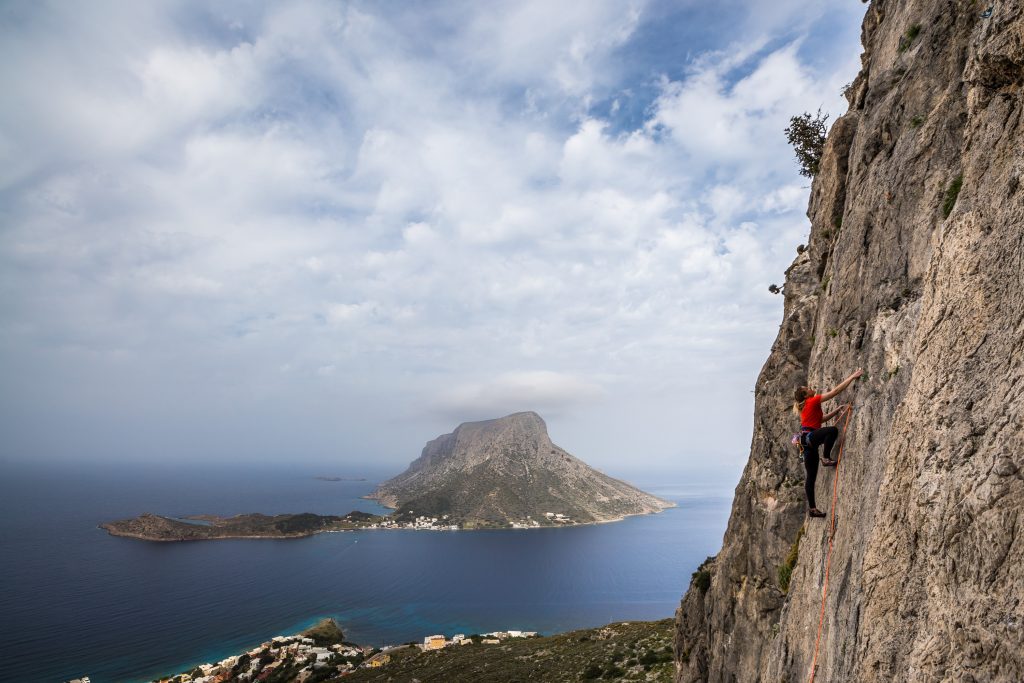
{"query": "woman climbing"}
pixel 812 434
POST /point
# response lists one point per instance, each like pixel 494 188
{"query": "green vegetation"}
pixel 326 632
pixel 952 192
pixel 637 651
pixel 786 570
pixel 302 523
pixel 908 38
pixel 824 282
pixel 833 332
pixel 157 528
pixel 917 122
pixel 701 579
pixel 613 672
pixel 806 133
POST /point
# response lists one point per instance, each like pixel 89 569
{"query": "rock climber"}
pixel 812 434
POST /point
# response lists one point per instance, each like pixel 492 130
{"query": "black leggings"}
pixel 827 436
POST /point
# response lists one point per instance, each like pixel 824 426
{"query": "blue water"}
pixel 76 601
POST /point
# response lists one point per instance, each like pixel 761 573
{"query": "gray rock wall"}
pixel 926 577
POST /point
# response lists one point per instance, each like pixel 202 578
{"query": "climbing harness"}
pixel 831 538
pixel 800 440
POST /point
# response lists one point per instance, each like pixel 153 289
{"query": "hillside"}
pixel 637 651
pixel 505 471
pixel 914 270
pixel 634 651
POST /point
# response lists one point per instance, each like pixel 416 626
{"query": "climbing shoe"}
pixel 815 512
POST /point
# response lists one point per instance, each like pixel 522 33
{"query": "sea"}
pixel 75 601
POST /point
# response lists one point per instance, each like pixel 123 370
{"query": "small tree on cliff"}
pixel 807 135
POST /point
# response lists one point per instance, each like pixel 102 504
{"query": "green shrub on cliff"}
pixel 701 579
pixel 806 133
pixel 786 570
pixel 908 38
pixel 952 192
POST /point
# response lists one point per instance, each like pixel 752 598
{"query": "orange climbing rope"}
pixel 831 537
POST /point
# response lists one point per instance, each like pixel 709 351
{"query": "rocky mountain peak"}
pixel 505 471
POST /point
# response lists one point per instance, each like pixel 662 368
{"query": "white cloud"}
pixel 411 199
pixel 561 46
pixel 547 392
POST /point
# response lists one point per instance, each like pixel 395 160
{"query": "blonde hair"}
pixel 801 394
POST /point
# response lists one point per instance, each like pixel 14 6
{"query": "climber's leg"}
pixel 825 436
pixel 811 465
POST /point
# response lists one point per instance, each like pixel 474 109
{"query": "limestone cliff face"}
pixel 505 470
pixel 927 571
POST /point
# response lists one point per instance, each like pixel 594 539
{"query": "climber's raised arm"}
pixel 841 386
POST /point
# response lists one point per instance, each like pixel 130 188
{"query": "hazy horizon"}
pixel 329 232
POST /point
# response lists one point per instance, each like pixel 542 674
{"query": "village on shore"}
pixel 305 658
pixel 443 523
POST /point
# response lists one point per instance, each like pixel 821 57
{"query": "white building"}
pixel 434 642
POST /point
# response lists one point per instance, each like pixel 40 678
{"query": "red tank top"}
pixel 810 416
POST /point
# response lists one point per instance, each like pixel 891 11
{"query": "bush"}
pixel 908 38
pixel 952 192
pixel 614 672
pixel 701 580
pixel 806 133
pixel 593 671
pixel 786 570
pixel 785 574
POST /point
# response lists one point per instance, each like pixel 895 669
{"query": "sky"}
pixel 327 232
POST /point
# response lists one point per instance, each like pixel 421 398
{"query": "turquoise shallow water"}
pixel 80 602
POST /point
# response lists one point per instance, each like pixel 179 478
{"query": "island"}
pixel 503 473
pixel 150 527
pixel 506 472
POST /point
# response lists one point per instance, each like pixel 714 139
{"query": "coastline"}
pixel 306 534
pixel 281 537
pixel 431 655
pixel 228 649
